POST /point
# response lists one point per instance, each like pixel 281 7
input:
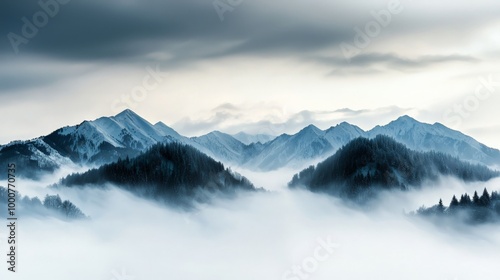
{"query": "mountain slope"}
pixel 222 146
pixel 33 158
pixel 342 134
pixel 291 150
pixel 437 137
pixel 91 142
pixel 104 139
pixel 364 166
pixel 165 130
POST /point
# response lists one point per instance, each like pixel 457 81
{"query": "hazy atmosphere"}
pixel 246 65
pixel 237 139
pixel 261 236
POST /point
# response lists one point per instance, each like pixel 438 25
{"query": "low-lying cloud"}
pixel 271 235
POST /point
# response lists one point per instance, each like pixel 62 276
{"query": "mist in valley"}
pixel 278 234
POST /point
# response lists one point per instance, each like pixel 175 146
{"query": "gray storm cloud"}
pixel 190 30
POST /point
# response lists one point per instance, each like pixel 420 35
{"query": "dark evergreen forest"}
pixel 364 166
pixel 169 172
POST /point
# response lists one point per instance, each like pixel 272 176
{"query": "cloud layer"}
pixel 75 58
pixel 260 236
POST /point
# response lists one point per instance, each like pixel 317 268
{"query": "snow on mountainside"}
pixel 32 158
pixel 437 137
pixel 342 134
pixel 226 148
pixel 165 130
pixel 127 134
pixel 312 144
pixel 248 139
pixel 291 150
pixel 105 139
pixel 91 142
pixel 221 144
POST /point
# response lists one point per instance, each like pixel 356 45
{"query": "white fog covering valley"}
pixel 250 140
pixel 254 236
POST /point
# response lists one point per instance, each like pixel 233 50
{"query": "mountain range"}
pixel 107 139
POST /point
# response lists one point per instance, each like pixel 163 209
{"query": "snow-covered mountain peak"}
pixel 342 133
pixel 404 126
pixel 105 138
pixel 129 119
pixel 311 129
pixel 404 121
pixel 437 137
pixel 346 127
pixel 127 113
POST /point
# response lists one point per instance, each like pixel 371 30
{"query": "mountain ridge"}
pixel 127 134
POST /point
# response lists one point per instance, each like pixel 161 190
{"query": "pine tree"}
pixel 475 199
pixel 440 207
pixel 485 200
pixel 465 200
pixel 454 203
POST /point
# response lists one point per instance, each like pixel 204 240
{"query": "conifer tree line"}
pixel 164 170
pixel 478 209
pixel 366 164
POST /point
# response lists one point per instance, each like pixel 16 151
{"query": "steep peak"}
pixel 401 125
pixel 311 128
pixel 345 126
pixel 160 124
pixel 129 118
pixel 217 136
pixel 127 113
pixel 406 119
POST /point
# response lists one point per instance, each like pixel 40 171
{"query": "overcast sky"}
pixel 258 66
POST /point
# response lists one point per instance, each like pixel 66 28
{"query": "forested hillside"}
pixel 366 165
pixel 169 172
